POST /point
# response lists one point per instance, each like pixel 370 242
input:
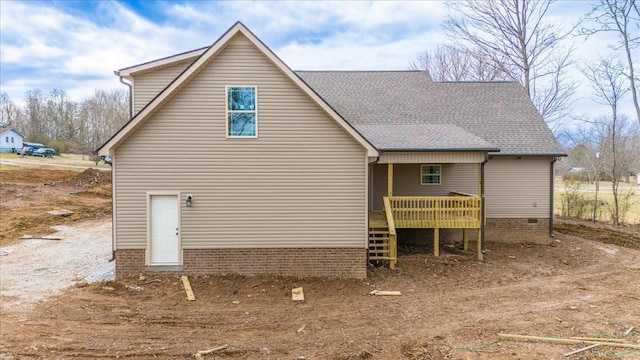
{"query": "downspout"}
pixel 117 73
pixel 113 235
pixel 482 210
pixel 551 185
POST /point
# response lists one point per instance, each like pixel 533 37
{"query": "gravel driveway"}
pixel 32 270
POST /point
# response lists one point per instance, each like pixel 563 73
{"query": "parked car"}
pixel 27 150
pixel 44 152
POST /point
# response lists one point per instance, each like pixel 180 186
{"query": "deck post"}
pixel 465 239
pixel 436 242
pixel 390 180
pixel 480 255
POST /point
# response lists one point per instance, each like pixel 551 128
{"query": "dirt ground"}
pixel 451 307
pixel 27 194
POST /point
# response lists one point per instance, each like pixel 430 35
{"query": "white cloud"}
pixel 58 49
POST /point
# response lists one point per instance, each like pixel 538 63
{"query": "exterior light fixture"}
pixel 189 200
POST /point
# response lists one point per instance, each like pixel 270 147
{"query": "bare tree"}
pixel 11 115
pixel 514 35
pixel 623 18
pixel 100 116
pixel 608 83
pixel 60 112
pixel 448 63
pixel 35 115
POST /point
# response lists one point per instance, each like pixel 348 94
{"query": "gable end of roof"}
pixel 195 67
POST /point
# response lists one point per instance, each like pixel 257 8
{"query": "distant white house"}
pixel 10 140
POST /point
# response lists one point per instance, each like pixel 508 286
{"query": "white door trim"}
pixel 178 196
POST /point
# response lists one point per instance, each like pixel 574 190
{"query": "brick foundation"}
pixel 321 262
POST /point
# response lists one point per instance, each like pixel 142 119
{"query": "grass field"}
pixel 585 193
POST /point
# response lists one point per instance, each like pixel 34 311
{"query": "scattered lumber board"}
pixel 187 288
pixel 29 237
pixel 201 353
pixel 297 294
pixel 597 339
pixel 569 341
pixel 385 293
pixel 629 330
pixel 581 350
pixel 62 212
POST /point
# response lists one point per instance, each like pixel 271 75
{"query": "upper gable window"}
pixel 430 174
pixel 242 111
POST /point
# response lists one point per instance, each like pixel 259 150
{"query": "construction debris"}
pixel 629 330
pixel 385 293
pixel 201 353
pixel 187 288
pixel 581 350
pixel 61 212
pixel 297 294
pixel 569 341
pixel 29 237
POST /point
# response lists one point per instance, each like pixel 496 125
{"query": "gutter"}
pixel 551 185
pixel 117 73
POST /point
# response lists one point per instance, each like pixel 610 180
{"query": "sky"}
pixel 76 45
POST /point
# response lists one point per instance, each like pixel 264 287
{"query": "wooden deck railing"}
pixel 459 212
pixel 393 244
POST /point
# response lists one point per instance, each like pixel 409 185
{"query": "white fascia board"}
pixel 129 72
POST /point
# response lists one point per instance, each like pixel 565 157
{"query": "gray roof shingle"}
pixel 432 137
pixel 442 115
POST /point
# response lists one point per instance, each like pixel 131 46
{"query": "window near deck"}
pixel 430 174
pixel 242 113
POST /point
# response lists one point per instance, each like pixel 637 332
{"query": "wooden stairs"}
pixel 382 240
pixel 379 244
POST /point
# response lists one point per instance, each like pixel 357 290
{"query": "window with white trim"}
pixel 242 111
pixel 430 174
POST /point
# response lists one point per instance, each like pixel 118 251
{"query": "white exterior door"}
pixel 165 245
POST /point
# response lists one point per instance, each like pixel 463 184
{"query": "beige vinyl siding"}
pixel 431 157
pixel 301 183
pixel 147 85
pixel 512 186
pixel 406 181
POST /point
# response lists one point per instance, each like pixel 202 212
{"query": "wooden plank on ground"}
pixel 29 237
pixel 61 212
pixel 187 288
pixel 385 293
pixel 597 339
pixel 581 350
pixel 569 341
pixel 297 294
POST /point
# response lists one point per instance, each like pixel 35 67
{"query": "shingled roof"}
pixel 406 110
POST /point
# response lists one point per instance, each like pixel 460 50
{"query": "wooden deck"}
pixel 458 211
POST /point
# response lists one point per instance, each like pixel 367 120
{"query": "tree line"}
pixel 66 125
